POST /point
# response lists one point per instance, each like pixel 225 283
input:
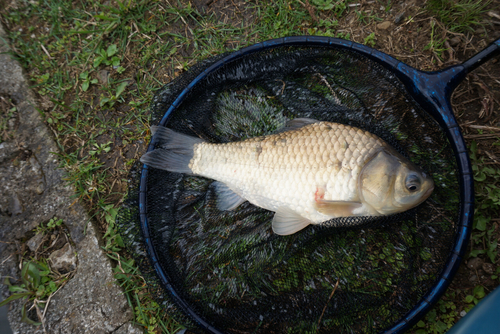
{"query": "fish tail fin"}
pixel 174 152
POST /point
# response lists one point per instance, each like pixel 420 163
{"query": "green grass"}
pixel 38 280
pixel 36 286
pixel 458 16
pixel 462 16
pixel 487 192
pixel 337 7
pixel 436 45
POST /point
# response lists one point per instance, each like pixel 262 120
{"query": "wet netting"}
pixel 226 271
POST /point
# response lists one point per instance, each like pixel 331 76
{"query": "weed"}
pixel 38 281
pixel 37 284
pixel 487 191
pixel 107 56
pixel 370 40
pixel 111 100
pixel 338 7
pixel 458 16
pixel 281 19
pixel 366 18
pixel 324 4
pixel 441 318
pixel 100 148
pixel 86 80
pixel 476 296
pixel 51 224
pixel 388 6
pixel 436 45
pixel 343 35
pixel 114 241
pixel 487 182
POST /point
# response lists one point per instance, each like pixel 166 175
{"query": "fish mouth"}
pixel 428 192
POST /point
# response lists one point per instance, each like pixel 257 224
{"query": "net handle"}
pixel 483 56
pixel 430 89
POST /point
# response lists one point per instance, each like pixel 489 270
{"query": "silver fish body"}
pixel 309 174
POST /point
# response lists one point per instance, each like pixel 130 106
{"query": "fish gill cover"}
pixel 358 274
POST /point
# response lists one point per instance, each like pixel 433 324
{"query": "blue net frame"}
pixel 431 90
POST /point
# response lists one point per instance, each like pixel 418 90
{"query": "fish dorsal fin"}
pixel 296 123
pixel 227 199
pixel 337 208
pixel 286 221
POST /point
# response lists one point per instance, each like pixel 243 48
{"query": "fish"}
pixel 307 173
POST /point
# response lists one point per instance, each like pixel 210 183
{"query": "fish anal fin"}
pixel 286 221
pixel 337 208
pixel 227 199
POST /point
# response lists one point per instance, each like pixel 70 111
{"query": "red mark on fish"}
pixel 319 194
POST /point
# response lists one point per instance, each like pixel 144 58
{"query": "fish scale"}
pixel 309 173
pixel 286 169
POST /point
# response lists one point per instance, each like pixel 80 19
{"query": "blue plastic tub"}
pixel 482 319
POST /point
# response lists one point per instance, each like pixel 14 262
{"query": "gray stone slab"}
pixel 32 191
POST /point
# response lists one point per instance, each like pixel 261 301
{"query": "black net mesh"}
pixel 229 268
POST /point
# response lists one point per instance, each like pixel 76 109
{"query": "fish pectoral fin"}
pixel 286 221
pixel 227 199
pixel 337 208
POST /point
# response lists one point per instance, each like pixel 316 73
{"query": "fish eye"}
pixel 412 183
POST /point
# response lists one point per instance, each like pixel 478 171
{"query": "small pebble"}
pixel 488 268
pixel 454 41
pixel 384 25
pixel 40 188
pixel 494 14
pixel 64 259
pixel 475 263
pixel 102 76
pixel 12 124
pixel 35 242
pixel 399 17
pixel 15 206
pixel 463 314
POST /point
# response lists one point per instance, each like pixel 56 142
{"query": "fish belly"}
pixel 292 169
